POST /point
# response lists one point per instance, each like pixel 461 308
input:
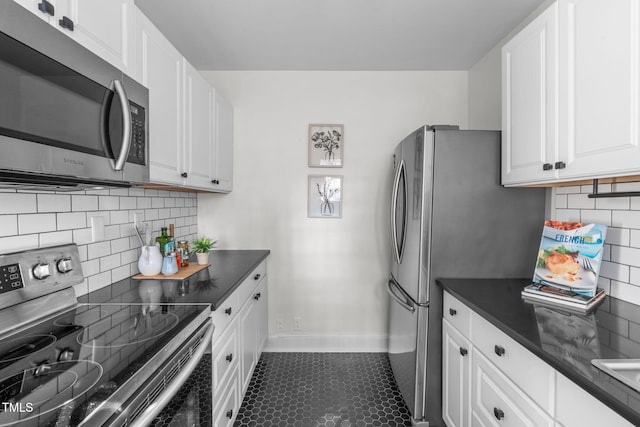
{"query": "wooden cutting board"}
pixel 183 273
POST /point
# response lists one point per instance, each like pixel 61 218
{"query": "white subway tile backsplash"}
pixel 15 203
pixel 71 220
pixel 595 216
pixel 580 201
pixel 567 190
pixel 53 202
pixel 84 203
pixel 567 215
pixel 618 203
pixel 614 271
pixel 625 291
pixel 626 219
pixel 618 236
pixel 8 225
pixel 36 223
pixel 32 219
pixel 625 255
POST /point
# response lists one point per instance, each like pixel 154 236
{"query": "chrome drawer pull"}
pixel 498 413
pixel 499 350
pixel 452 312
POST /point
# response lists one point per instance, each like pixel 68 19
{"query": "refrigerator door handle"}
pixel 400 178
pixel 403 299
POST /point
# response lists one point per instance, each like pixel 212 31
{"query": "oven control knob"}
pixel 41 271
pixel 64 265
pixel 65 355
pixel 42 369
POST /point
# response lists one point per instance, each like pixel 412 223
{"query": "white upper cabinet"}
pixel 222 170
pixel 198 125
pixel 529 101
pixel 160 70
pixel 106 27
pixel 571 90
pixel 599 87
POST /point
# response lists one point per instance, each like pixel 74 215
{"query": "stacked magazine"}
pixel 568 266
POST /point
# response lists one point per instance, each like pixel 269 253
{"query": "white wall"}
pixel 331 273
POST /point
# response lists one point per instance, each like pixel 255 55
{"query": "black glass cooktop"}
pixel 86 361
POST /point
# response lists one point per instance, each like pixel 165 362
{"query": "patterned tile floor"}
pixel 323 389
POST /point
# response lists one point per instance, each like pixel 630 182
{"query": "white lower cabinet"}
pixel 501 383
pixel 238 340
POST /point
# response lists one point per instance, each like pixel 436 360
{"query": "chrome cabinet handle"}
pixel 118 165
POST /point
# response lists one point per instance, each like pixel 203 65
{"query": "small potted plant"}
pixel 201 246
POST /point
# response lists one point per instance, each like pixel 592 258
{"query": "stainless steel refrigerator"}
pixel 451 218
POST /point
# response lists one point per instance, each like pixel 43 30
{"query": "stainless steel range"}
pixel 63 363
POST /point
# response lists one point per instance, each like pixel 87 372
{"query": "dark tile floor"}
pixel 323 389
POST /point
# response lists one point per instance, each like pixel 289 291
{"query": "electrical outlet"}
pixel 297 323
pixel 280 324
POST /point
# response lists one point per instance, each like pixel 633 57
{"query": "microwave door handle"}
pixel 118 165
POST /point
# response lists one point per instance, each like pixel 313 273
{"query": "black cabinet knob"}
pixel 257 296
pixel 463 351
pixel 229 357
pixel 230 413
pixel 228 311
pixel 498 413
pixel 452 312
pixel 184 174
pixel 547 167
pixel 66 23
pixel 499 350
pixel 560 165
pixel 215 181
pixel 257 276
pixel 45 7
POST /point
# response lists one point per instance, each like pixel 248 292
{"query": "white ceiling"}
pixel 335 34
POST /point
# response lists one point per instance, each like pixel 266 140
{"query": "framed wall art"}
pixel 326 146
pixel 325 196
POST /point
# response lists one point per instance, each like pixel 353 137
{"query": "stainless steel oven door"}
pixel 155 394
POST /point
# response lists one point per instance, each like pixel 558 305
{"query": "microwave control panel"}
pixel 137 152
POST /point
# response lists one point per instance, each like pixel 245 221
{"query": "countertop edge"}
pixel 232 288
pixel 587 386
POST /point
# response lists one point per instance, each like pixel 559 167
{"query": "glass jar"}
pixel 183 248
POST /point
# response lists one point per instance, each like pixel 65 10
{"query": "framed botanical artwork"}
pixel 326 146
pixel 325 196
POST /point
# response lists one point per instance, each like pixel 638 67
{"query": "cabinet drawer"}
pixel 496 401
pixel 245 290
pixel 225 359
pixel 524 368
pixel 222 316
pixel 227 406
pixel 458 314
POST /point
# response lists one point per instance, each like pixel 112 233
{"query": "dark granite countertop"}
pixel 550 333
pixel 213 285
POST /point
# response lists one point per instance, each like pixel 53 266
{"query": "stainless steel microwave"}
pixel 68 119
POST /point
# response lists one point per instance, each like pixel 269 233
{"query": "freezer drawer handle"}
pixel 498 413
pixel 405 302
pixel 499 350
pixel 463 351
pixel 452 312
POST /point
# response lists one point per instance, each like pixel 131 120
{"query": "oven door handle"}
pixel 163 400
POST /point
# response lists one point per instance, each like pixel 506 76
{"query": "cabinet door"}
pixel 222 161
pixel 248 324
pixel 198 132
pixel 104 27
pixel 456 375
pixel 161 72
pixel 529 102
pixel 599 87
pixel 262 316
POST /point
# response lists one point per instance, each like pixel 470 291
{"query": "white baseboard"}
pixel 327 343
